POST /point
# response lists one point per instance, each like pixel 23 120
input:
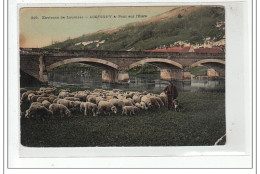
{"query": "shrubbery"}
pixel 193 28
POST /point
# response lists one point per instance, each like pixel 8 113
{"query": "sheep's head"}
pixel 114 109
pixel 136 108
pixel 149 104
pixel 27 113
pixel 72 104
pixel 77 104
pixel 68 113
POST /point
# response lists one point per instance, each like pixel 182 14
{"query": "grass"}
pixel 194 28
pixel 201 122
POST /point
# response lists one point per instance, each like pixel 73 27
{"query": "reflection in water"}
pixel 140 82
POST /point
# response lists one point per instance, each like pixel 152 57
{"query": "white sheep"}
pixel 22 90
pixel 163 99
pixel 48 90
pixel 29 98
pixel 106 107
pixel 41 99
pixel 55 100
pixel 60 109
pixel 137 98
pixel 127 95
pixel 139 106
pixel 76 105
pixel 37 109
pixel 147 101
pixel 34 98
pixel 88 106
pixel 108 97
pixel 119 104
pixel 64 90
pixel 99 99
pixel 63 94
pixel 143 105
pixel 24 96
pixel 81 96
pixel 52 98
pixel 128 102
pixel 91 98
pixel 116 90
pixel 129 109
pixel 97 90
pixel 120 96
pixel 69 104
pixel 72 98
pixel 46 103
pixel 156 101
pixel 144 92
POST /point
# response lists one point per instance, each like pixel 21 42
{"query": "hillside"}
pixel 189 24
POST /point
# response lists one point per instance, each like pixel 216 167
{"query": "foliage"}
pixel 145 69
pixel 199 71
pixel 193 28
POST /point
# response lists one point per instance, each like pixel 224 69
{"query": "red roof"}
pixel 208 50
pixel 172 49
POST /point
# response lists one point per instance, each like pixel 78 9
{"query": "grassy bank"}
pixel 193 28
pixel 201 122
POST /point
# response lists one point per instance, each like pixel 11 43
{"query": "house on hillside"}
pixel 213 50
pixel 186 49
pixel 176 49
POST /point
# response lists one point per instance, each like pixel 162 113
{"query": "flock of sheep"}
pixel 44 102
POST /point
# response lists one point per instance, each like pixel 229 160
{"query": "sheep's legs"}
pixel 85 112
pixel 93 111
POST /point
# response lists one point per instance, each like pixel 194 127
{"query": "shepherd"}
pixel 171 94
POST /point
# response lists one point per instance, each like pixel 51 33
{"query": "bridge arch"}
pixel 207 61
pixel 169 69
pixel 109 70
pixel 83 60
pixel 155 60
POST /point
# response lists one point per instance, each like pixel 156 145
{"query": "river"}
pixel 149 82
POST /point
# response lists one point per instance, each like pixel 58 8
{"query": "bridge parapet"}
pixel 117 54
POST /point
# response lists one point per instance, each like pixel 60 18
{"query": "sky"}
pixel 38 27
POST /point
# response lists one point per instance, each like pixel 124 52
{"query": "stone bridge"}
pixel 115 64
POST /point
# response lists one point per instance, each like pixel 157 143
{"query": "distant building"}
pixel 178 49
pixel 209 50
pixel 184 48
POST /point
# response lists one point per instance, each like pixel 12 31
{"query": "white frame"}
pixel 237 153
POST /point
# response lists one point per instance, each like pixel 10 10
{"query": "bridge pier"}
pixel 43 77
pixel 109 76
pixel 114 76
pixel 212 73
pixel 123 77
pixel 171 74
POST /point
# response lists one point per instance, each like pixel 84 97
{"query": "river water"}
pixel 149 82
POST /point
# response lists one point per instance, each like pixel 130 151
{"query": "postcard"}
pixel 122 76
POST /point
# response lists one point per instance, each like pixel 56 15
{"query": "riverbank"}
pixel 201 122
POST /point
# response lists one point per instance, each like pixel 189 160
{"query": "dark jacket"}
pixel 171 90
